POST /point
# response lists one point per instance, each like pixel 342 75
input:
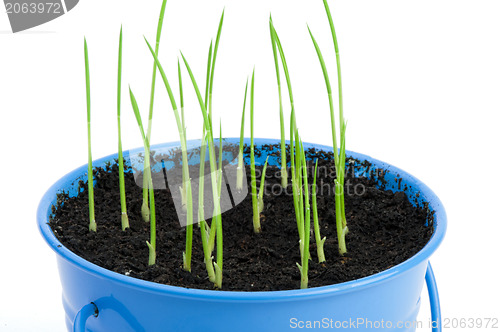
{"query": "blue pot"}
pixel 96 299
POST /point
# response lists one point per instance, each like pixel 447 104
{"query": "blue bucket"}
pixel 96 299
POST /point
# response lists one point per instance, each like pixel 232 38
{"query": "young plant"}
pixel 240 171
pixel 152 243
pixel 90 174
pixel 253 183
pixel 216 177
pixel 186 193
pixel 306 222
pixel 284 171
pixel 212 58
pixel 339 156
pixel 145 209
pixel 123 200
pixel 185 166
pixel 320 243
pixel 296 182
pixel 205 230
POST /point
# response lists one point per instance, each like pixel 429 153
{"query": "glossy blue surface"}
pixel 128 304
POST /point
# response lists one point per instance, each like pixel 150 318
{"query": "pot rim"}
pixel 440 225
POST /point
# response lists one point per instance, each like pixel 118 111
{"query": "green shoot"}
pixel 186 193
pixel 304 267
pixel 212 59
pixel 90 174
pixel 207 251
pixel 339 156
pixel 337 57
pixel 261 190
pixel 284 171
pixel 152 243
pixel 241 166
pixel 145 209
pixel 182 135
pixel 330 98
pixel 123 201
pixel 341 115
pixel 295 187
pixel 253 183
pixel 181 96
pixel 320 243
pixel 183 188
pixel 211 230
pixel 216 197
pixel 212 69
pixel 293 131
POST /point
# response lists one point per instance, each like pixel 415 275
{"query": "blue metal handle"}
pixel 82 316
pixel 430 280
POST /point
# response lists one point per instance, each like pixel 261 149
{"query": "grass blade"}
pixel 123 199
pixel 330 97
pixel 152 242
pixel 284 171
pixel 240 171
pixel 337 56
pixel 216 197
pixel 207 251
pixel 319 242
pixel 153 80
pixel 255 203
pixel 145 209
pixel 90 172
pixel 212 69
pixel 307 223
pixel 209 67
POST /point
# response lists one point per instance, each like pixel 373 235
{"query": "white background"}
pixel 421 90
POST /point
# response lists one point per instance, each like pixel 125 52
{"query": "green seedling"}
pixel 212 59
pixel 296 181
pixel 302 173
pixel 240 171
pixel 216 177
pixel 152 243
pixel 253 183
pixel 320 243
pixel 339 156
pixel 205 230
pixel 185 165
pixel 284 171
pixel 145 209
pixel 185 174
pixel 186 193
pixel 123 200
pixel 90 174
pixel 343 123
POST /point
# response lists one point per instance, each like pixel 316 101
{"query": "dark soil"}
pixel 385 229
